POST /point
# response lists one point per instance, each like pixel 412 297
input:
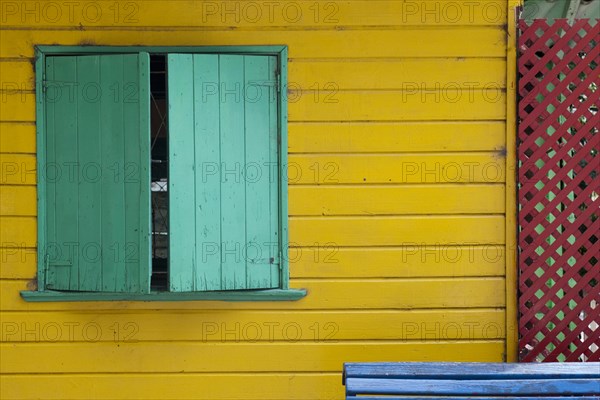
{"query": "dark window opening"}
pixel 159 155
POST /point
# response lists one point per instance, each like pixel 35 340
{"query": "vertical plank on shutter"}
pixel 223 179
pixel 49 251
pixel 260 247
pixel 113 189
pixel 135 174
pixel 92 147
pixel 233 189
pixel 207 179
pixel 274 179
pixel 46 193
pixel 63 273
pixel 282 160
pixel 86 202
pixel 182 240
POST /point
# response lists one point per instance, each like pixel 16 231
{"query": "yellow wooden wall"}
pixel 415 189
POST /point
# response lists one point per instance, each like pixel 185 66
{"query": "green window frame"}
pixel 112 211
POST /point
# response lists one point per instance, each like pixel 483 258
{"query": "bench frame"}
pixel 461 381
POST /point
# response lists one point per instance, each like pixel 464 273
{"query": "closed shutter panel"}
pixel 223 172
pixel 97 174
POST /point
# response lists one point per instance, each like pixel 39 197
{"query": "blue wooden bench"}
pixel 485 381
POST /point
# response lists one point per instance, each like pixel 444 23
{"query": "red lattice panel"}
pixel 559 295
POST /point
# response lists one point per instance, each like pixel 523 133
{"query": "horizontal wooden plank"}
pixel 253 326
pixel 17 138
pixel 18 200
pixel 98 357
pixel 343 137
pixel 322 294
pixel 473 398
pixel 408 105
pixel 428 73
pixel 328 261
pixel 439 42
pixel 334 169
pixel 333 105
pixel 178 386
pixel 18 232
pixel 18 262
pixel 17 75
pixel 528 387
pixel 17 106
pixel 387 137
pixel 437 234
pixel 460 371
pixel 397 231
pixel 187 386
pixel 408 74
pixel 416 260
pixel 256 15
pixel 345 231
pixel 396 200
pixel 18 169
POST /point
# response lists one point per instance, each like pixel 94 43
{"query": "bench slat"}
pixel 529 387
pixel 472 371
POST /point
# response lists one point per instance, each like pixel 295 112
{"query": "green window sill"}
pixel 242 295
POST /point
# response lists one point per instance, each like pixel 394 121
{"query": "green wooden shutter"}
pixel 223 172
pixel 97 173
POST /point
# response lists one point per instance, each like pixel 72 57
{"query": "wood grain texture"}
pixel 401 73
pixel 395 199
pixel 494 371
pixel 529 387
pixel 401 137
pixel 437 42
pixel 17 106
pixel 17 138
pixel 176 386
pixel 328 261
pixel 263 326
pixel 374 292
pixel 303 14
pixel 407 105
pixel 332 169
pixel 390 231
pixel 221 137
pixel 451 380
pixel 18 200
pixel 322 294
pixel 333 105
pixel 97 218
pixel 182 209
pixel 307 74
pixel 18 232
pixel 347 231
pixel 102 357
pixel 19 169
